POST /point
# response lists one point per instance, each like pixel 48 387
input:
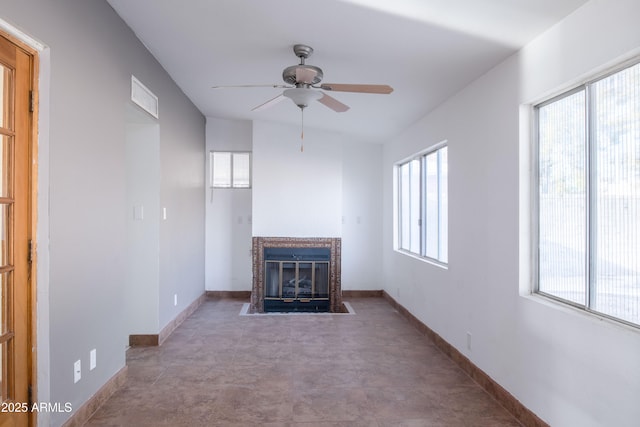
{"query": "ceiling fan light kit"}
pixel 302 97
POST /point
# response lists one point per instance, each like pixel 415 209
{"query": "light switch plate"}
pixel 77 371
pixel 138 212
pixel 92 359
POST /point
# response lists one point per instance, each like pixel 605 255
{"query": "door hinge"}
pixel 30 254
pixel 31 102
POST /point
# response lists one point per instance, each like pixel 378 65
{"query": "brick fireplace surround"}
pixel 332 243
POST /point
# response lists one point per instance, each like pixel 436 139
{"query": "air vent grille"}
pixel 143 97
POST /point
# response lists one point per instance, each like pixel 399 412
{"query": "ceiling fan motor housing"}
pixel 302 75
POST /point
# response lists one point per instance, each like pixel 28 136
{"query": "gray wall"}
pixel 142 275
pixel 83 147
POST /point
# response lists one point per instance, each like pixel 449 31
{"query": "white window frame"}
pixel 441 258
pixel 590 196
pixel 231 178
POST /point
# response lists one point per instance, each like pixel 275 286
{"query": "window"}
pixel 230 169
pixel 422 218
pixel 588 207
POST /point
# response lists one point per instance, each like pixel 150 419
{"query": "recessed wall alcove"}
pixel 312 282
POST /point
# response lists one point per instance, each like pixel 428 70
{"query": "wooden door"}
pixel 16 77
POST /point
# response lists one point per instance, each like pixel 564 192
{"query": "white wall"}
pixel 361 216
pixel 569 367
pixel 229 214
pixel 89 58
pixel 338 180
pixel 296 194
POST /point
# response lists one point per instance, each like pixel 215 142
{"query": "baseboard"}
pixel 150 340
pixel 83 413
pixel 246 295
pixel 153 340
pixel 243 295
pixel 177 321
pixel 361 294
pixel 506 399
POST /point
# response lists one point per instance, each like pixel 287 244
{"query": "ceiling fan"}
pixel 303 85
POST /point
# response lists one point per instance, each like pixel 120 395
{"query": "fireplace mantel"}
pixel 331 243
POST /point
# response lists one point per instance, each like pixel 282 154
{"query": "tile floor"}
pixel 369 369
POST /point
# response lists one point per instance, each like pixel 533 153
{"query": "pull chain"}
pixel 302 130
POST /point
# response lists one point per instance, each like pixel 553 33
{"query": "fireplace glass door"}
pixel 296 286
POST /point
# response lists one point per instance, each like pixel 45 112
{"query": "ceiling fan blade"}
pixel 269 103
pixel 337 87
pixel 249 86
pixel 305 75
pixel 333 103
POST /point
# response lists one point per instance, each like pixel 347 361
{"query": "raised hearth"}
pixel 296 274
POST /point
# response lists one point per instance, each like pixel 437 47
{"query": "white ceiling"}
pixel 425 49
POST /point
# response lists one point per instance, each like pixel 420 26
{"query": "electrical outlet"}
pixel 92 359
pixel 468 340
pixel 175 299
pixel 77 371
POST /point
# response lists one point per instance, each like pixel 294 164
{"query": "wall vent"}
pixel 143 97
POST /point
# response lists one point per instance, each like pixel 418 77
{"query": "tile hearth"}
pixel 369 369
pixel 246 311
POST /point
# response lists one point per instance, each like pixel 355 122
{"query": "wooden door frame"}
pixel 32 339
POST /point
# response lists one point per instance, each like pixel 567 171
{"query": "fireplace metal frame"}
pixel 334 244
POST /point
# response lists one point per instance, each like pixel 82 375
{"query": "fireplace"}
pixel 296 275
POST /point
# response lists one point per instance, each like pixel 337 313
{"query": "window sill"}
pixel 230 188
pixel 431 261
pixel 573 310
